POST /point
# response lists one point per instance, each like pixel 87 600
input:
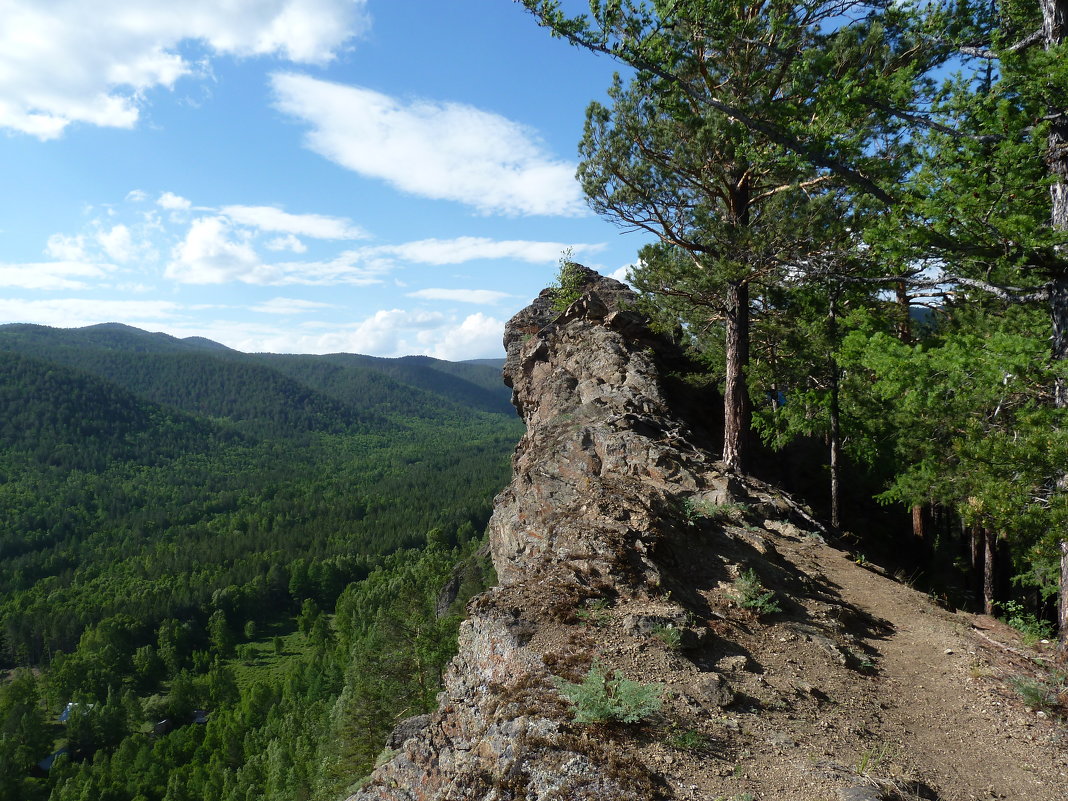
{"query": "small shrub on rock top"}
pixel 602 697
pixel 570 281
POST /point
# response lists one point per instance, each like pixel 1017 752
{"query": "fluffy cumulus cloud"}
pixel 387 332
pixel 287 242
pixel 213 252
pixel 399 332
pixel 476 337
pixel 445 151
pixel 173 202
pixel 216 251
pixel 65 61
pixel 221 247
pixel 623 273
pixel 63 247
pixel 118 243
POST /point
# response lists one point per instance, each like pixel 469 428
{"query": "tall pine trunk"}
pixel 990 561
pixel 977 545
pixel 1055 29
pixel 736 410
pixel 904 334
pixel 835 415
pixel 836 453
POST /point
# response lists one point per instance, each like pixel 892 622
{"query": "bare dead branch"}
pixel 1009 294
pixel 987 53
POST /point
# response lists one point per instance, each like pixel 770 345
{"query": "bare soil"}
pixel 860 689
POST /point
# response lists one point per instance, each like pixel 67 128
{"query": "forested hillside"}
pixel 184 527
pixel 813 173
pixel 224 568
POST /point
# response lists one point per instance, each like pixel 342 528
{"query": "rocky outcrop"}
pixel 622 546
pixel 607 488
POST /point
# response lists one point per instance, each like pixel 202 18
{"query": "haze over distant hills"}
pixel 203 377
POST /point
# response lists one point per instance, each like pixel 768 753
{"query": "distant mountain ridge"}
pixel 265 391
pixel 58 415
pixel 141 474
pixel 110 336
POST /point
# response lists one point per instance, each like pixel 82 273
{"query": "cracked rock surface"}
pixel 621 543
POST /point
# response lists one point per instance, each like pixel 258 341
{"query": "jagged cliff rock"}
pixel 622 543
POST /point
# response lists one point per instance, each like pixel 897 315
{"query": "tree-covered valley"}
pixel 232 574
pixel 187 529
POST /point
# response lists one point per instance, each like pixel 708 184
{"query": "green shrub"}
pixel 595 613
pixel 1048 695
pixel 1030 627
pixel 694 510
pixel 751 594
pixel 670 636
pixel 569 283
pixel 689 740
pixel 609 698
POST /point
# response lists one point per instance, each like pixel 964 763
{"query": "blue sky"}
pixel 305 176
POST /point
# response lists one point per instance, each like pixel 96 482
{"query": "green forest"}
pixel 231 574
pixel 860 223
pixel 225 571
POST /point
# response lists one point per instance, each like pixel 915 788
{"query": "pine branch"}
pixel 993 55
pixel 1009 294
pixel 581 36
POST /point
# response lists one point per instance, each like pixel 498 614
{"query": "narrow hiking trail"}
pixel 664 629
pixel 941 701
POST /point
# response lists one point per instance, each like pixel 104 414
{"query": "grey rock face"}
pixel 598 482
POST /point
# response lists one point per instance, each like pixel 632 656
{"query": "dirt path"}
pixel 939 703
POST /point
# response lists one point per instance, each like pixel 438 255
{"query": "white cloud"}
pixel 173 202
pixel 66 248
pixel 477 337
pixel 290 306
pixel 469 248
pixel 213 253
pixel 217 251
pixel 348 267
pixel 51 275
pixel 70 61
pixel 460 295
pixel 118 243
pixel 317 226
pixel 623 273
pixel 387 332
pixel 136 196
pixel 445 151
pixel 76 312
pixel 287 242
